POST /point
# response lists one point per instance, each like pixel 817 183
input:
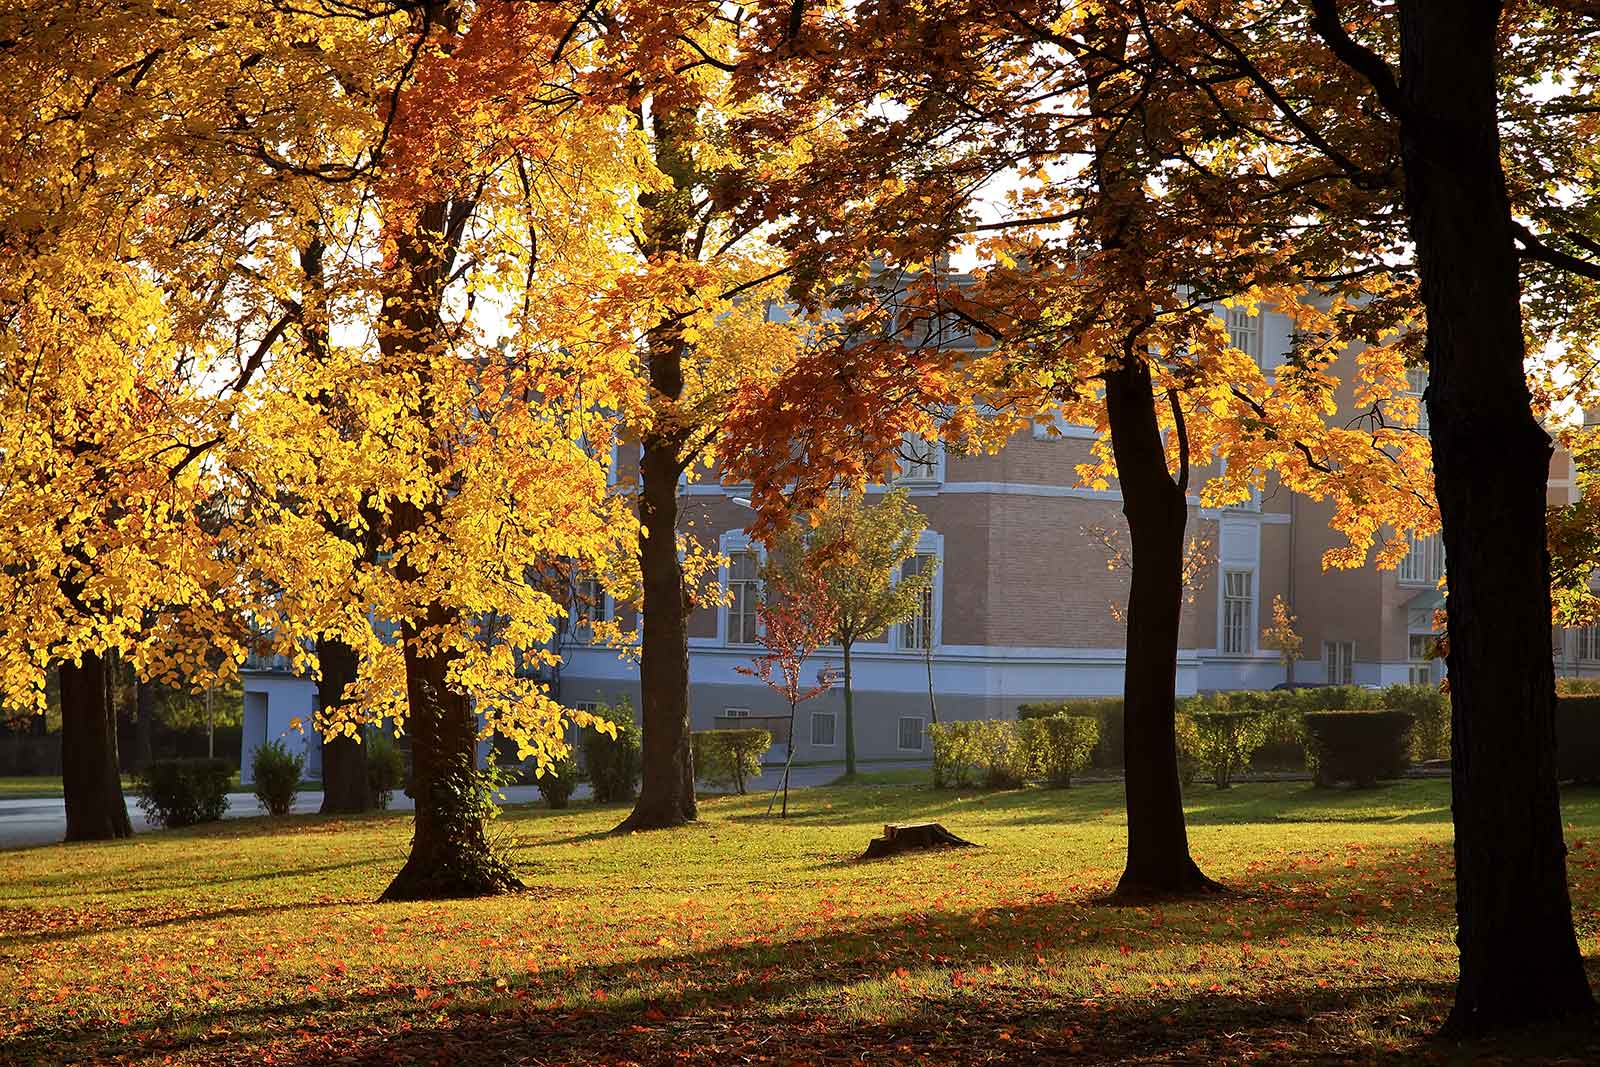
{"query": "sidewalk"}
pixel 43 820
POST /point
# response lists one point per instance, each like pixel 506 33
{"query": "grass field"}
pixel 745 940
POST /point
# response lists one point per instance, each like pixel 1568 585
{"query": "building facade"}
pixel 1024 606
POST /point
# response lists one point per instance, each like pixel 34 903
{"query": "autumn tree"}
pixel 1138 214
pixel 1282 638
pixel 794 619
pixel 855 553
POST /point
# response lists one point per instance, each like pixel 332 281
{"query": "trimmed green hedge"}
pixel 614 763
pixel 1105 711
pixel 1359 746
pixel 183 792
pixel 1225 740
pixel 1007 754
pixel 729 757
pixel 276 771
pixel 557 783
pixel 1578 738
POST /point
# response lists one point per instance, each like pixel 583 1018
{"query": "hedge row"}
pixel 1005 754
pixel 1283 712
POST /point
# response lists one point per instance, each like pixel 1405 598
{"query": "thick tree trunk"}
pixel 450 854
pixel 849 717
pixel 1519 957
pixel 1156 506
pixel 666 792
pixel 144 726
pixel 1158 863
pixel 666 789
pixel 345 790
pixel 96 810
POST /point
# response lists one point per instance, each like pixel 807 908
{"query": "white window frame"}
pixel 922 734
pixel 730 545
pixel 595 605
pixel 1246 331
pixel 1416 385
pixel 1419 668
pixel 924 471
pixel 1244 628
pixel 833 719
pixel 1588 647
pixel 1336 654
pixel 1424 564
pixel 932 545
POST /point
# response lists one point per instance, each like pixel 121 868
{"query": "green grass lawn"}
pixel 745 940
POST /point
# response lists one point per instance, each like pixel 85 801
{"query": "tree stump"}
pixel 912 837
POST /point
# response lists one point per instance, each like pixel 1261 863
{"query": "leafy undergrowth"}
pixel 743 940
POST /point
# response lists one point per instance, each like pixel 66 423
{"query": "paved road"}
pixel 44 820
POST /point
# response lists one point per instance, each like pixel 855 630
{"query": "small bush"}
pixel 1430 712
pixel 1001 755
pixel 277 774
pixel 1058 747
pixel 1359 746
pixel 557 783
pixel 183 792
pixel 1106 711
pixel 729 757
pixel 1577 687
pixel 1188 736
pixel 1578 738
pixel 386 767
pixel 1225 739
pixel 614 763
pixel 955 755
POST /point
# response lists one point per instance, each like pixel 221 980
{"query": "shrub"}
pixel 1225 739
pixel 1359 746
pixel 1000 753
pixel 386 767
pixel 1188 735
pixel 183 792
pixel 1578 738
pixel 1577 687
pixel 955 756
pixel 729 757
pixel 614 763
pixel 1430 712
pixel 277 774
pixel 1058 747
pixel 1106 711
pixel 557 783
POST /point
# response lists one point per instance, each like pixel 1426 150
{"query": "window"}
pixel 1244 332
pixel 918 459
pixel 822 729
pixel 589 602
pixel 1421 654
pixel 591 706
pixel 1340 658
pixel 1424 564
pixel 744 583
pixel 917 631
pixel 910 733
pixel 1416 384
pixel 1589 643
pixel 735 713
pixel 1237 601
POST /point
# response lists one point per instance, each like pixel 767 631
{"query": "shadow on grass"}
pixel 788 999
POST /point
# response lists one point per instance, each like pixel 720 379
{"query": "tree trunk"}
pixel 345 790
pixel 849 718
pixel 666 789
pixel 450 854
pixel 1519 957
pixel 89 780
pixel 144 726
pixel 1158 863
pixel 1156 506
